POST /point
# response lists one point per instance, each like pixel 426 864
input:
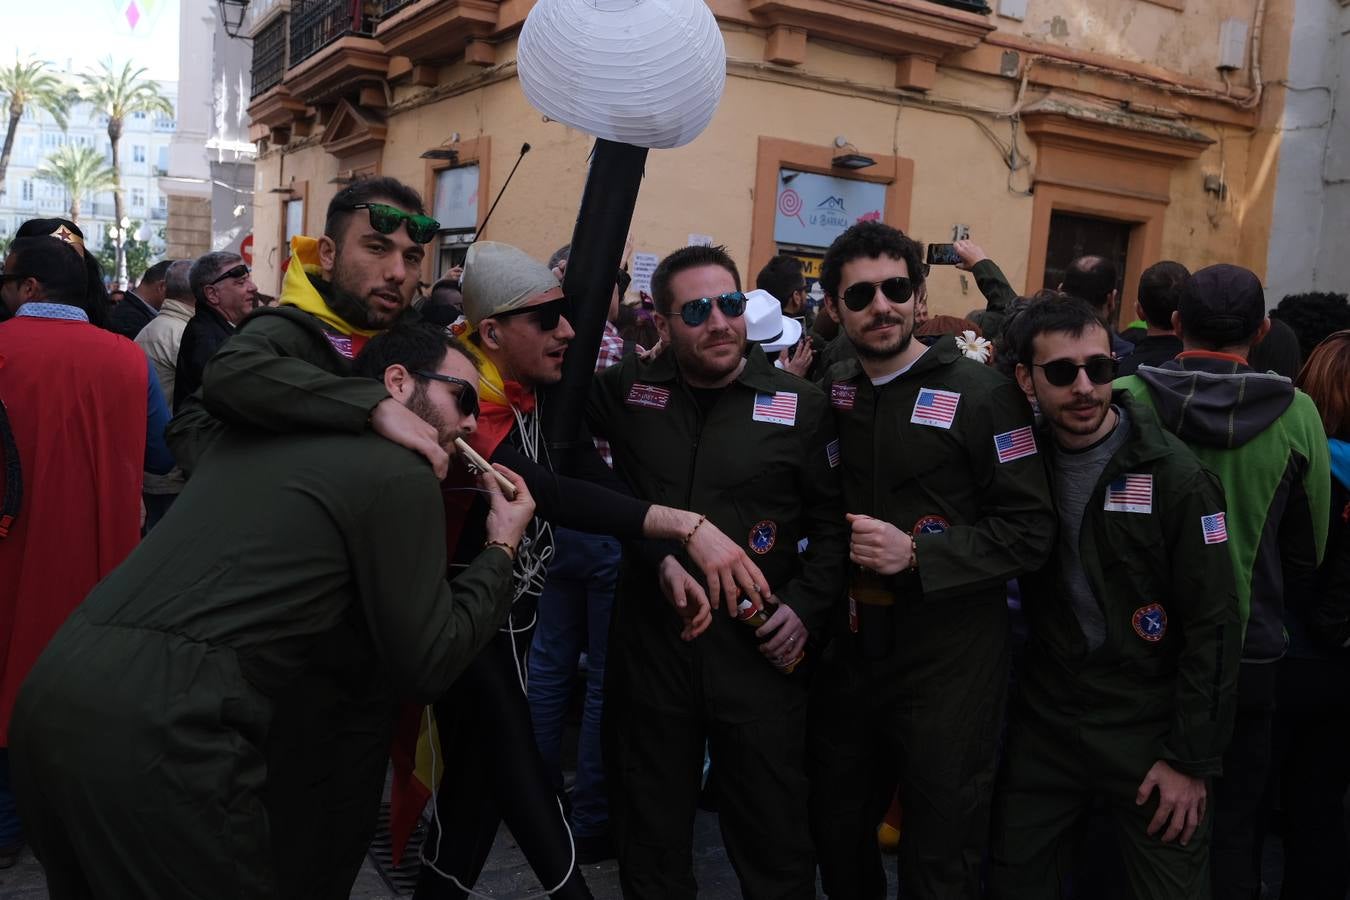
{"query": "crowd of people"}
pixel 1045 607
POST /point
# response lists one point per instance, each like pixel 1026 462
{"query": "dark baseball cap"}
pixel 1222 306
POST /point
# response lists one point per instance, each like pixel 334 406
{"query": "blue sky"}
pixel 83 31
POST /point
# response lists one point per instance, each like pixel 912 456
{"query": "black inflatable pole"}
pixel 592 266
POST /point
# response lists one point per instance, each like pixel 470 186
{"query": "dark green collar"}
pixel 757 374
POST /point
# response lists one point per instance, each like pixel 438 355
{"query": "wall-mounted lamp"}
pixel 853 160
pixel 441 153
pixel 232 15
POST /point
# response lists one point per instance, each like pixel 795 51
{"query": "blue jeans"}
pixel 574 616
pixel 10 831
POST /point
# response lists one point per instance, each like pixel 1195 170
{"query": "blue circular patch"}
pixel 763 536
pixel 930 525
pixel 1150 622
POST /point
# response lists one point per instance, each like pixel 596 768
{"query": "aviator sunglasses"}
pixel 547 314
pixel 1064 372
pixel 386 219
pixel 859 296
pixel 466 399
pixel 696 312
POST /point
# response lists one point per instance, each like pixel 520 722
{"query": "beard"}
pixel 354 308
pixel 692 362
pixel 1062 421
pixel 419 405
pixel 885 351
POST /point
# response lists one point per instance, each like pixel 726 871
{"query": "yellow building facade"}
pixel 1139 129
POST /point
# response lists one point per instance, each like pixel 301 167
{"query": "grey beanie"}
pixel 499 277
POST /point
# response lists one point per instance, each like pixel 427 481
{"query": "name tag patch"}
pixel 1131 493
pixel 832 453
pixel 648 395
pixel 1015 444
pixel 842 396
pixel 779 408
pixel 936 408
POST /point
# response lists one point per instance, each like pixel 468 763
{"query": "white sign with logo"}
pixel 700 240
pixel 456 206
pixel 812 210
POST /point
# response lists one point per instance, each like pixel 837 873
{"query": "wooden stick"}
pixel 478 464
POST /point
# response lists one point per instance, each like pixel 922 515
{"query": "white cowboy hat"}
pixel 766 325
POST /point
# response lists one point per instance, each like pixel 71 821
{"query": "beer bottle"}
pixel 758 618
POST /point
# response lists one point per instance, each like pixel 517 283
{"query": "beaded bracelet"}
pixel 690 536
pixel 510 551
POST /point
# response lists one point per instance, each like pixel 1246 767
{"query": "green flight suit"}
pixel 1091 722
pixel 282 372
pixel 139 739
pixel 944 452
pixel 761 464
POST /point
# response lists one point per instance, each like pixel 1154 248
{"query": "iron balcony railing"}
pixel 317 23
pixel 269 56
pixel 389 7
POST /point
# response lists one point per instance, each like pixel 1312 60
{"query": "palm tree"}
pixel 80 170
pixel 118 93
pixel 27 83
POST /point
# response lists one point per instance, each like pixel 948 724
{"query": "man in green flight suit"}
pixel 707 426
pixel 1128 685
pixel 947 498
pixel 138 742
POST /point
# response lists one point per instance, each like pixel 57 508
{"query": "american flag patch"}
pixel 842 396
pixel 341 343
pixel 1015 444
pixel 937 408
pixel 832 453
pixel 1214 528
pixel 648 395
pixel 1131 494
pixel 780 408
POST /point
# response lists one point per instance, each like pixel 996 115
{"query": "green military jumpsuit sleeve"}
pixel 1015 530
pixel 273 375
pixel 425 630
pixel 998 294
pixel 1204 603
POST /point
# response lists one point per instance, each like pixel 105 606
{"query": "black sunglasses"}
pixel 239 271
pixel 1064 372
pixel 385 219
pixel 467 398
pixel 858 297
pixel 547 314
pixel 696 312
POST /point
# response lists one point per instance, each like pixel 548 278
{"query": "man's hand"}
pixel 393 421
pixel 783 636
pixel 800 363
pixel 506 519
pixel 687 596
pixel 652 352
pixel 1180 798
pixel 730 572
pixel 970 254
pixel 456 274
pixel 878 545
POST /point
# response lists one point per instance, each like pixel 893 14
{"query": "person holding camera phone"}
pixel 947 500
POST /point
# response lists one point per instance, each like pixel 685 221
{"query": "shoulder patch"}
pixel 936 408
pixel 1150 622
pixel 1015 444
pixel 832 453
pixel 648 395
pixel 1214 528
pixel 843 396
pixel 763 535
pixel 779 408
pixel 341 343
pixel 1131 493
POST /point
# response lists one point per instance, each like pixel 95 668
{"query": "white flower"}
pixel 976 348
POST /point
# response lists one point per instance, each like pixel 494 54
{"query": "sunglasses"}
pixel 466 399
pixel 385 219
pixel 859 296
pixel 239 271
pixel 1064 372
pixel 547 314
pixel 696 312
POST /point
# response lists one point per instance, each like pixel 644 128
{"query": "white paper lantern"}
pixel 643 72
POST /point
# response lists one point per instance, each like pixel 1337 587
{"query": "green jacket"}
pixel 280 373
pixel 979 521
pixel 1166 674
pixel 762 474
pixel 1264 440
